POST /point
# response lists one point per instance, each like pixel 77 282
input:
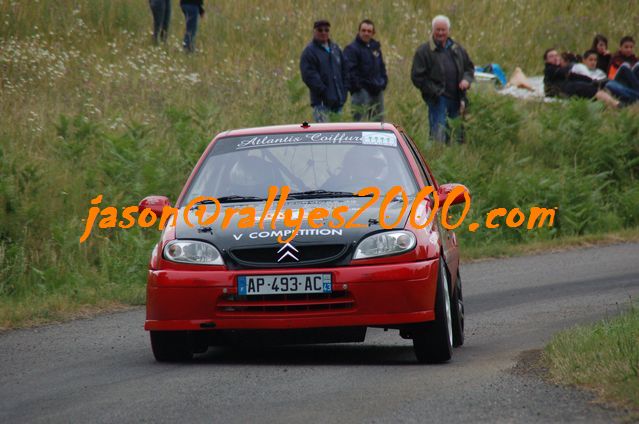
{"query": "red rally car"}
pixel 217 277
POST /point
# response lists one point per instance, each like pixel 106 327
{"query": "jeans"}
pixel 372 106
pixel 628 76
pixel 191 14
pixel 161 10
pixel 321 112
pixel 439 110
pixel 625 94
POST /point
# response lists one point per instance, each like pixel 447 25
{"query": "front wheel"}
pixel 457 304
pixel 171 346
pixel 433 341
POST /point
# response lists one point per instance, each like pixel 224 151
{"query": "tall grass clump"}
pixel 89 107
pixel 603 357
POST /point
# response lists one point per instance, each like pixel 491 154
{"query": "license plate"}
pixel 248 285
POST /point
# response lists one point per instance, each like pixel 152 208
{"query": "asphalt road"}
pixel 102 369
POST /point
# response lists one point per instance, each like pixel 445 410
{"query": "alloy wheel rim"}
pixel 460 303
pixel 449 321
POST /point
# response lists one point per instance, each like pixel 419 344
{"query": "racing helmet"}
pixel 366 163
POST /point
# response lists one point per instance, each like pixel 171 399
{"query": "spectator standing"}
pixel 366 73
pixel 161 10
pixel 324 72
pixel 600 45
pixel 193 10
pixel 442 71
pixel 625 54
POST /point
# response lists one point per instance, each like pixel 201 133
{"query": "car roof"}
pixel 312 127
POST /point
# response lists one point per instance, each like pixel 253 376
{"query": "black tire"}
pixel 457 313
pixel 171 346
pixel 433 340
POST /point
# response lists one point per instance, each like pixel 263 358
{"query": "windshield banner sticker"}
pixel 378 138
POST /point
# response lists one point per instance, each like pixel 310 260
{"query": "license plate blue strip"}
pixel 241 286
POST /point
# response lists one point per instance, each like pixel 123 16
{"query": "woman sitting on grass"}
pixel 587 70
pixel 557 84
pixel 600 45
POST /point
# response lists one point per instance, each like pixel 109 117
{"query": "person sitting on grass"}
pixel 569 59
pixel 628 76
pixel 600 45
pixel 587 70
pixel 625 87
pixel 625 54
pixel 557 84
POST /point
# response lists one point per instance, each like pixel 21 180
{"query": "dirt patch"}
pixel 531 363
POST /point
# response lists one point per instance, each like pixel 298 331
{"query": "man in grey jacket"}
pixel 442 71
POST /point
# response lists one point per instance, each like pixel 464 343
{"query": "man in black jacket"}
pixel 442 71
pixel 366 73
pixel 324 72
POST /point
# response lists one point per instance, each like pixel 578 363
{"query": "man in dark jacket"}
pixel 324 72
pixel 366 73
pixel 442 71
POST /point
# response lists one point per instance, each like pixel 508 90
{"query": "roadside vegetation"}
pixel 89 107
pixel 603 357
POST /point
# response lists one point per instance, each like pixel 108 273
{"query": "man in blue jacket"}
pixel 367 73
pixel 324 72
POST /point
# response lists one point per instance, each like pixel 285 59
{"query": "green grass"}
pixel 603 357
pixel 88 107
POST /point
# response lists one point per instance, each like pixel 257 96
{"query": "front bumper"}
pixel 371 295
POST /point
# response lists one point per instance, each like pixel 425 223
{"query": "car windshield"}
pixel 320 164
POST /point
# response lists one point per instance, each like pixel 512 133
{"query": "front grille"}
pixel 268 256
pixel 291 303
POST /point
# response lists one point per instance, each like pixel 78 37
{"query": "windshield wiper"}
pixel 311 194
pixel 238 198
pixel 228 199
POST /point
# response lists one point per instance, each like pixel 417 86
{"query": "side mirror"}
pixel 155 203
pixel 446 189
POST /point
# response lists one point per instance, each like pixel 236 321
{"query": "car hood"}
pixel 234 236
pixel 255 246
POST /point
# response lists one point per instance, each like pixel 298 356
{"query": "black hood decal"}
pixel 314 244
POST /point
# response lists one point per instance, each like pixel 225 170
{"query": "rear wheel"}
pixel 433 341
pixel 171 346
pixel 457 303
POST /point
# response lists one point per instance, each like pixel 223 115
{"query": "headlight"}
pixel 192 252
pixel 382 244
